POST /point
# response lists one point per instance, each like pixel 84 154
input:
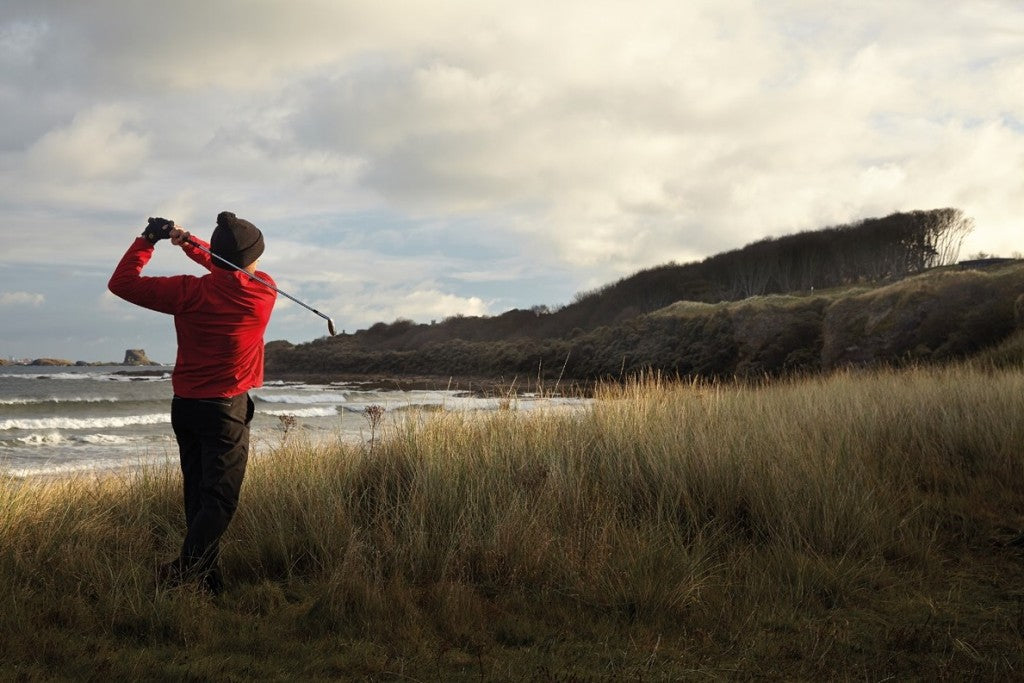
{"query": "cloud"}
pixel 568 124
pixel 431 303
pixel 687 130
pixel 100 143
pixel 21 299
pixel 361 308
pixel 387 304
pixel 360 287
pixel 20 41
pixel 225 46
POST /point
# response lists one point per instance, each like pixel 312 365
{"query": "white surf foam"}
pixel 60 466
pixel 54 399
pixel 106 439
pixel 303 412
pixel 106 376
pixel 84 423
pixel 48 439
pixel 136 378
pixel 321 397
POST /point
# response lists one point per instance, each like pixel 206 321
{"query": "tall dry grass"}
pixel 708 509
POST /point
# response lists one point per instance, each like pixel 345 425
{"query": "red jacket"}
pixel 220 319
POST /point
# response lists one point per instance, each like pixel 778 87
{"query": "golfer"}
pixel 220 320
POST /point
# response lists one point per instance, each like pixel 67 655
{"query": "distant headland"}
pixel 131 357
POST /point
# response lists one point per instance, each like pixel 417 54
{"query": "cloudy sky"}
pixel 427 159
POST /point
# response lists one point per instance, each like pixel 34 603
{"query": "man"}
pixel 220 319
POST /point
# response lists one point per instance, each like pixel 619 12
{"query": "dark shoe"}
pixel 173 574
pixel 169 575
pixel 213 582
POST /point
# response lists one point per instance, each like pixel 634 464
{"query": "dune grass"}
pixel 845 526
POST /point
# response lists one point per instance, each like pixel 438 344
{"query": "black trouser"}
pixel 213 443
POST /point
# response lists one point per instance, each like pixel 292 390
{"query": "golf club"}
pixel 330 323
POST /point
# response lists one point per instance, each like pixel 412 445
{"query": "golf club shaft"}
pixel 257 278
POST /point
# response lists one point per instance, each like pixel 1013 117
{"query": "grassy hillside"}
pixel 869 251
pixel 938 316
pixel 843 526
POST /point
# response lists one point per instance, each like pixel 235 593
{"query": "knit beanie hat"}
pixel 236 240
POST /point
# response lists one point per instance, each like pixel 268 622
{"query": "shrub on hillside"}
pixel 930 318
pixel 777 334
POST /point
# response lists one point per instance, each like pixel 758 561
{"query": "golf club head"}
pixel 330 327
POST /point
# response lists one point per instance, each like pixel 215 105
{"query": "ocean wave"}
pixel 84 423
pixel 54 399
pixel 56 438
pixel 56 375
pixel 48 439
pixel 303 412
pixel 90 376
pixel 59 466
pixel 136 378
pixel 107 439
pixel 322 397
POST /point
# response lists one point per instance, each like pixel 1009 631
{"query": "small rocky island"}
pixel 137 357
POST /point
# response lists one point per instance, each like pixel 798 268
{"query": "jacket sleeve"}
pixel 162 294
pixel 198 255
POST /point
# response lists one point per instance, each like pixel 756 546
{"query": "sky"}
pixel 427 159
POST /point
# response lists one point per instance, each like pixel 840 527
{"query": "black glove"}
pixel 158 229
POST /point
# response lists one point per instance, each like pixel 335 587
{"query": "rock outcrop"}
pixel 137 357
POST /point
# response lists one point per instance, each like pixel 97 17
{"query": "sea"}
pixel 66 419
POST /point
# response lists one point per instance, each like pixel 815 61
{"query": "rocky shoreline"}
pixel 479 386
